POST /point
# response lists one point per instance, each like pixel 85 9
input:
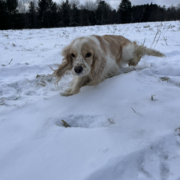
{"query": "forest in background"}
pixel 16 14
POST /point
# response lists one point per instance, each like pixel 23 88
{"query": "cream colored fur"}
pixel 100 57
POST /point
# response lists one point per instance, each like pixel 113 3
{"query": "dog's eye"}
pixel 88 55
pixel 73 55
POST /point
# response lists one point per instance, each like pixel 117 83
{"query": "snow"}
pixel 127 127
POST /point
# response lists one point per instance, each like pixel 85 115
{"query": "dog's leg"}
pixel 76 84
pixel 113 71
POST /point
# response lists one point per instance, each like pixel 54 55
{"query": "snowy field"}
pixel 126 128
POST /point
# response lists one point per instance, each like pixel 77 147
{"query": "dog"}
pixel 94 58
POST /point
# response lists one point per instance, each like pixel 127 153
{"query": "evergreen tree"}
pixel 47 13
pixel 32 15
pixel 103 12
pixel 178 11
pixel 125 11
pixel 65 13
pixel 12 6
pixel 14 19
pixel 91 16
pixel 54 15
pixel 74 16
pixel 84 17
pixel 3 15
pixel 144 13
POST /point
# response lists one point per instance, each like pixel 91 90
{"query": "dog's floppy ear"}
pixel 66 51
pixel 98 65
pixel 66 63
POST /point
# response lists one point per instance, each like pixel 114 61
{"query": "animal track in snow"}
pixel 85 121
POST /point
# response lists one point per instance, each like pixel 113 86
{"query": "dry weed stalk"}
pixel 17 98
pixel 158 32
pixel 157 40
pixel 41 84
pixel 2 101
pixel 147 26
pixel 134 110
pixel 144 42
pixel 10 61
pixel 165 39
pixel 152 97
pixel 65 124
pixel 111 121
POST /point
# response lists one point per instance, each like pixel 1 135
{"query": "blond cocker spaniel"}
pixel 95 58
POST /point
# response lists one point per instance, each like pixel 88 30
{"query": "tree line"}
pixel 48 14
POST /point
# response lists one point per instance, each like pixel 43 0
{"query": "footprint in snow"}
pixel 84 121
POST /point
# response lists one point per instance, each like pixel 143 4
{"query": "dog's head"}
pixel 86 57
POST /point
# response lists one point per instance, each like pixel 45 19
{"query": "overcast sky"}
pixel 167 3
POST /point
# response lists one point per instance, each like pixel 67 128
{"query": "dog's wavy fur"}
pixel 107 53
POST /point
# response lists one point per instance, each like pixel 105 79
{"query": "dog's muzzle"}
pixel 78 69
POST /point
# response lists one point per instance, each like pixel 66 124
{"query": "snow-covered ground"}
pixel 126 128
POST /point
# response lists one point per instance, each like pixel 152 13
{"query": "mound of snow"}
pixel 127 127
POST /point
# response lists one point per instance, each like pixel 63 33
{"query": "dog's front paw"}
pixel 69 92
pixel 66 92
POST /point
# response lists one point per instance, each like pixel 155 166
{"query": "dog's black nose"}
pixel 78 69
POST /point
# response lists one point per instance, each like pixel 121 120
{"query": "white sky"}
pixel 167 3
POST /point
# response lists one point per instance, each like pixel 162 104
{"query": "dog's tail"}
pixel 142 50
